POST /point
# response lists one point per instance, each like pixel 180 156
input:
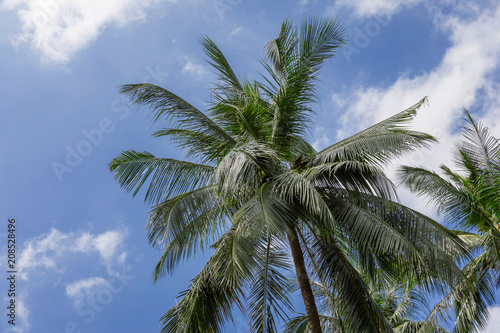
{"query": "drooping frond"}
pixel 207 304
pixel 183 224
pixel 270 290
pixel 423 244
pixel 266 212
pixel 295 189
pixel 352 291
pixel 400 305
pixel 169 177
pixel 244 169
pixel 352 175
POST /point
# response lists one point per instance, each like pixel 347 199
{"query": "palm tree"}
pixel 254 191
pixel 469 200
pixel 401 303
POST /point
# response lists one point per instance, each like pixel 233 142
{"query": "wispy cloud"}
pixel 372 7
pixel 197 70
pixel 58 29
pixel 235 31
pixel 322 140
pixel 22 323
pixel 82 289
pixel 46 251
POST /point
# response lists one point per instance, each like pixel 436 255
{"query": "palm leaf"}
pixel 207 304
pixel 176 111
pixel 183 224
pixel 220 64
pixel 379 143
pixel 169 177
pixel 353 293
pixel 270 289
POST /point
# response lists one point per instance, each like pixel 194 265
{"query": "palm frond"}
pixel 243 114
pixel 295 189
pixel 379 143
pixel 205 147
pixel 469 297
pixel 294 61
pixel 220 64
pixel 270 290
pixel 479 145
pixel 208 303
pixel 300 324
pixel 352 291
pixel 266 211
pixel 319 40
pixel 174 110
pixel 456 202
pixel 183 224
pixel 354 175
pixel 169 177
pixel 423 244
pixel 244 169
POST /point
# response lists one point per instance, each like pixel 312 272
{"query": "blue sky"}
pixel 84 261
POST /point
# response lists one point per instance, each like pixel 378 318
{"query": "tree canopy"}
pixel 254 191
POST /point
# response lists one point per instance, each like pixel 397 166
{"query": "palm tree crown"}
pixel 469 200
pixel 255 192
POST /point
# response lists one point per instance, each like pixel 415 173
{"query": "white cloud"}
pixel 23 314
pixel 494 322
pixel 372 7
pixel 454 84
pixel 22 323
pixel 191 67
pixel 322 141
pixel 82 289
pixel 45 251
pixel 58 29
pixel 367 8
pixel 235 31
pixel 107 244
pixel 464 76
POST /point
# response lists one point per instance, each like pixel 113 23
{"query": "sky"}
pixel 83 261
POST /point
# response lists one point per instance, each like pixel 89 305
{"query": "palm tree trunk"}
pixel 305 286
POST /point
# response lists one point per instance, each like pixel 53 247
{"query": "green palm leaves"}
pixel 468 199
pixel 268 204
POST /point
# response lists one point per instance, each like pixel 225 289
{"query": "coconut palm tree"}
pixel 468 199
pixel 256 193
pixel 402 303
